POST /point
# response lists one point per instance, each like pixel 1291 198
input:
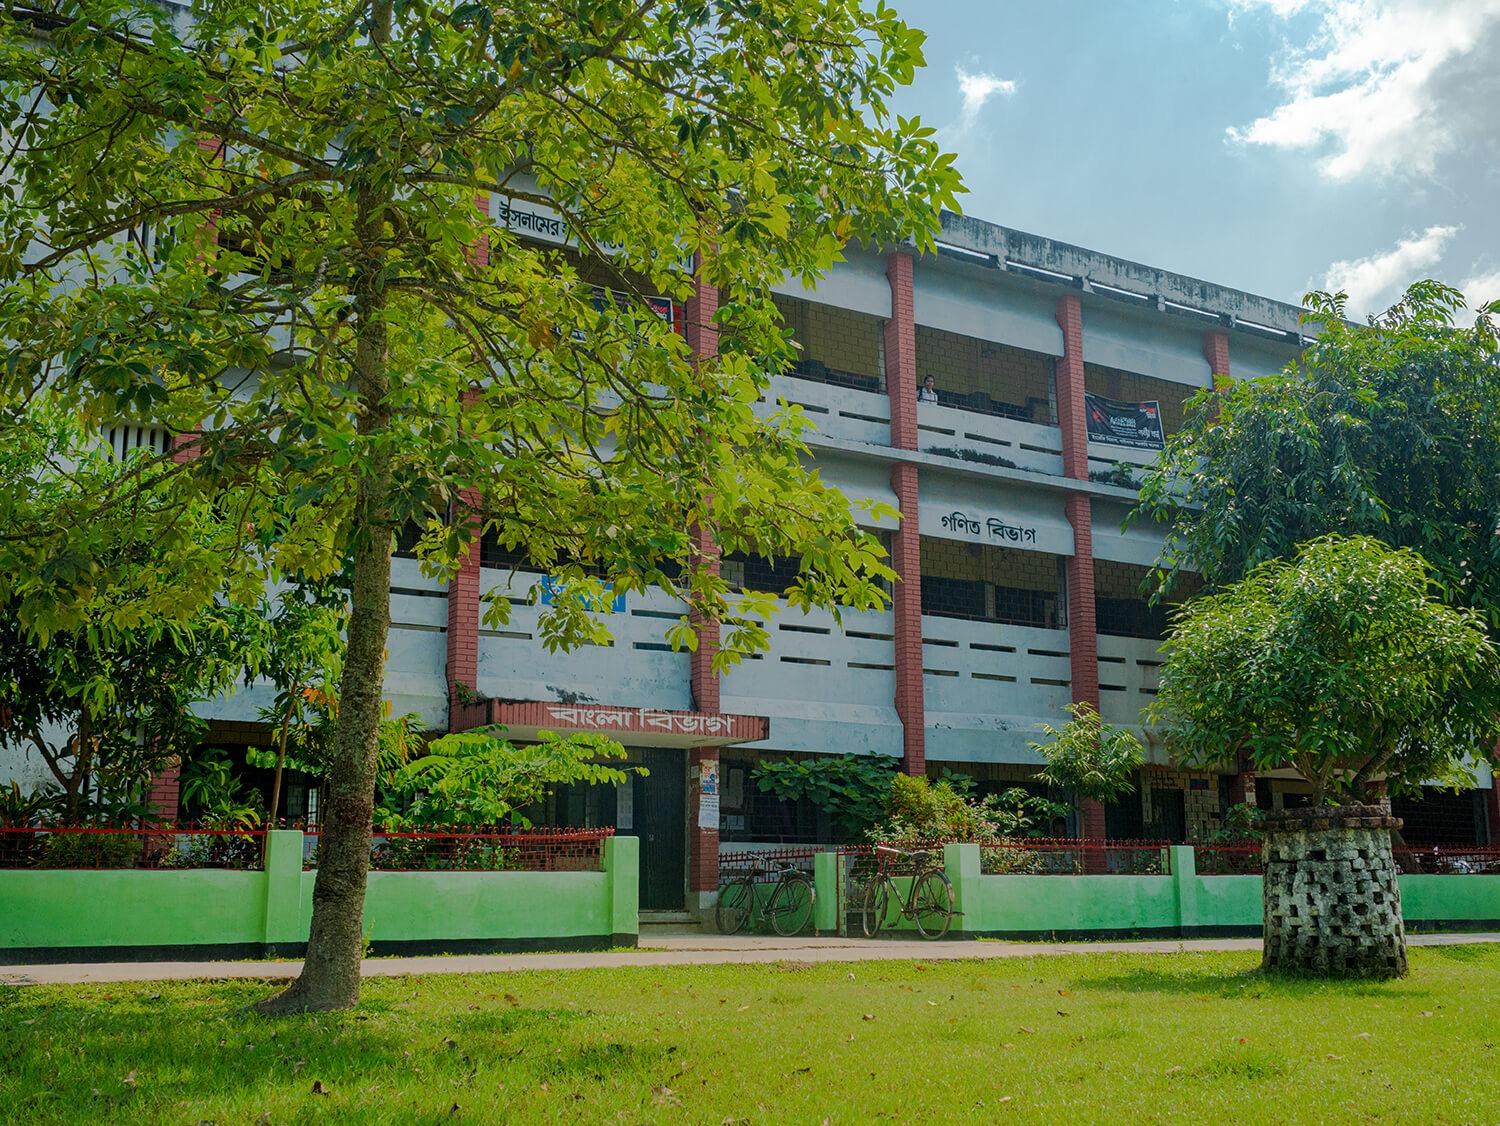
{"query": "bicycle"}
pixel 788 910
pixel 930 901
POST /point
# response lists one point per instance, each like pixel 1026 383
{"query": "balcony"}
pixel 989 437
pixel 843 410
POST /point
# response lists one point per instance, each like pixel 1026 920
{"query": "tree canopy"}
pixel 1341 664
pixel 256 225
pixel 1390 429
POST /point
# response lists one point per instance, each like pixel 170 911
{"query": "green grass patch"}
pixel 1090 1038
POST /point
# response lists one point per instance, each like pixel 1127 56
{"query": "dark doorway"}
pixel 660 821
pixel 1168 816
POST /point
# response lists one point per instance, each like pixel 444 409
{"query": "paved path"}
pixel 663 947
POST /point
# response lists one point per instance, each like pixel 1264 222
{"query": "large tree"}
pixel 256 224
pixel 1342 665
pixel 1389 429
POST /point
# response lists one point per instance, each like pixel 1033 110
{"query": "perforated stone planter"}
pixel 1333 906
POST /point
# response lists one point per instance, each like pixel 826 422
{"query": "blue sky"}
pixel 1271 145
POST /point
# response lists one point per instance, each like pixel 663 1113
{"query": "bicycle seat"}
pixel 920 857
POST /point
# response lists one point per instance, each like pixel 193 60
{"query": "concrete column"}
pixel 901 352
pixel 962 864
pixel 622 863
pixel 827 910
pixel 906 560
pixel 285 931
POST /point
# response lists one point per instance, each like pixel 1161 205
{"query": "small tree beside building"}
pixel 1343 665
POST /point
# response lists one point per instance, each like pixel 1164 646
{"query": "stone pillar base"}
pixel 1332 903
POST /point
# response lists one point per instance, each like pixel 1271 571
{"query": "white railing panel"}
pixel 1129 671
pixel 638 668
pixel 976 667
pixel 1024 444
pixel 837 412
pixel 813 659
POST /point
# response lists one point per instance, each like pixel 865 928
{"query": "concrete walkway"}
pixel 666 946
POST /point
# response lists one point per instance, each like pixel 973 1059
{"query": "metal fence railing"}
pixel 1074 857
pixel 1234 858
pixel 1447 860
pixel 150 847
pixel 741 862
pixel 538 850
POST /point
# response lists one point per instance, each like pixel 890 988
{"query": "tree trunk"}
pixel 1332 901
pixel 335 944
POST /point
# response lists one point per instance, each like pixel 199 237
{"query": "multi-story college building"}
pixel 1004 395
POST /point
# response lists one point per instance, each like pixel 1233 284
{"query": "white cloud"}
pixel 1375 87
pixel 1480 289
pixel 976 90
pixel 1373 283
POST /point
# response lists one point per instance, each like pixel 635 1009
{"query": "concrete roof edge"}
pixel 1082 268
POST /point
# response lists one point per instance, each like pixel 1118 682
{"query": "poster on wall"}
pixel 1137 425
pixel 625 804
pixel 708 796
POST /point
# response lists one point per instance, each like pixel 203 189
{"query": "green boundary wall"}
pixel 62 914
pixel 1182 904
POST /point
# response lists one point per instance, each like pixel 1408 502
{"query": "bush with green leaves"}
pixel 90 850
pixel 921 811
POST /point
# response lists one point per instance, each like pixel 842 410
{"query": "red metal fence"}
pixel 185 846
pixel 743 862
pixel 540 850
pixel 152 847
pixel 1069 856
pixel 1238 858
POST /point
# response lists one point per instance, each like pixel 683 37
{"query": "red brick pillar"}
pixel 1070 405
pixel 162 794
pixel 1083 638
pixel 906 544
pixel 464 586
pixel 165 792
pixel 463 614
pixel 906 561
pixel 703 844
pixel 901 352
pixel 1216 352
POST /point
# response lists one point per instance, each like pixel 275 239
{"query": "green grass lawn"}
pixel 1092 1038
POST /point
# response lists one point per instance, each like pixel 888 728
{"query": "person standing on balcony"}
pixel 928 392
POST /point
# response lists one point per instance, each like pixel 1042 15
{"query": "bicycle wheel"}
pixel 877 899
pixel 736 898
pixel 932 904
pixel 791 906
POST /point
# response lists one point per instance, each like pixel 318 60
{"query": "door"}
pixel 660 818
